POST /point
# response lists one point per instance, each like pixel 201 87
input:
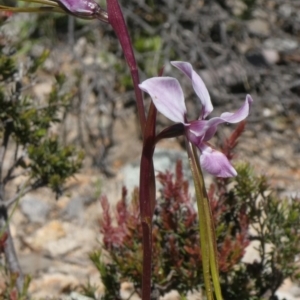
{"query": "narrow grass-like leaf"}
pixel 206 229
pixel 31 9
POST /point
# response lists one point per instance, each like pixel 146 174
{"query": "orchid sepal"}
pixel 167 96
pixel 198 85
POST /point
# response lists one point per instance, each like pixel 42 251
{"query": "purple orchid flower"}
pixel 168 98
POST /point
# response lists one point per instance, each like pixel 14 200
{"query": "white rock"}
pixel 280 44
pixel 271 56
pixel 285 10
pixel 36 210
pixel 127 291
pixel 52 231
pixel 288 290
pixel 259 27
pixel 252 252
pixel 77 296
pixel 173 295
pixel 52 285
pixel 61 246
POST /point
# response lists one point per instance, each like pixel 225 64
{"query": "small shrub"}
pixel 29 151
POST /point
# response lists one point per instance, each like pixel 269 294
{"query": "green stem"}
pixel 206 228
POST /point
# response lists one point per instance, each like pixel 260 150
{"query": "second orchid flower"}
pixel 85 9
pixel 167 96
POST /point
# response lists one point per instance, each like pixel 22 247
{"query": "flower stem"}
pixel 147 199
pixel 116 20
pixel 206 229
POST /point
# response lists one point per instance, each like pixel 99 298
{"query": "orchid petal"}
pixel 211 128
pixel 226 117
pixel 239 115
pixel 167 96
pixel 216 163
pixel 198 85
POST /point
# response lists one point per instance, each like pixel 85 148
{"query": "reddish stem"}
pixel 116 20
pixel 147 199
pixel 147 178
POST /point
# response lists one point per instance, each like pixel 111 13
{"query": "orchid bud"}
pixel 84 9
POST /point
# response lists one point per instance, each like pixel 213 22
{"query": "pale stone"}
pixel 285 10
pixel 252 252
pixel 42 89
pixel 52 285
pixel 127 290
pixel 237 7
pixel 80 46
pixel 36 210
pixel 271 56
pixel 288 290
pixel 259 27
pixel 62 246
pixel 280 44
pixel 50 232
pixel 194 295
pixel 94 280
pixel 172 295
pixel 34 262
pixel 77 296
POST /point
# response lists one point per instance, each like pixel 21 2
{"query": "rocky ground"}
pixel 261 57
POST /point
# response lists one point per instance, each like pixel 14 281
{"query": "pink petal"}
pixel 198 85
pixel 216 163
pixel 226 117
pixel 239 115
pixel 212 128
pixel 167 96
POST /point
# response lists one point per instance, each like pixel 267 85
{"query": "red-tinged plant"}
pixel 230 143
pixel 233 239
pixel 127 219
pixel 13 295
pixel 235 205
pixel 5 14
pixel 3 239
pixel 176 259
pixel 10 291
